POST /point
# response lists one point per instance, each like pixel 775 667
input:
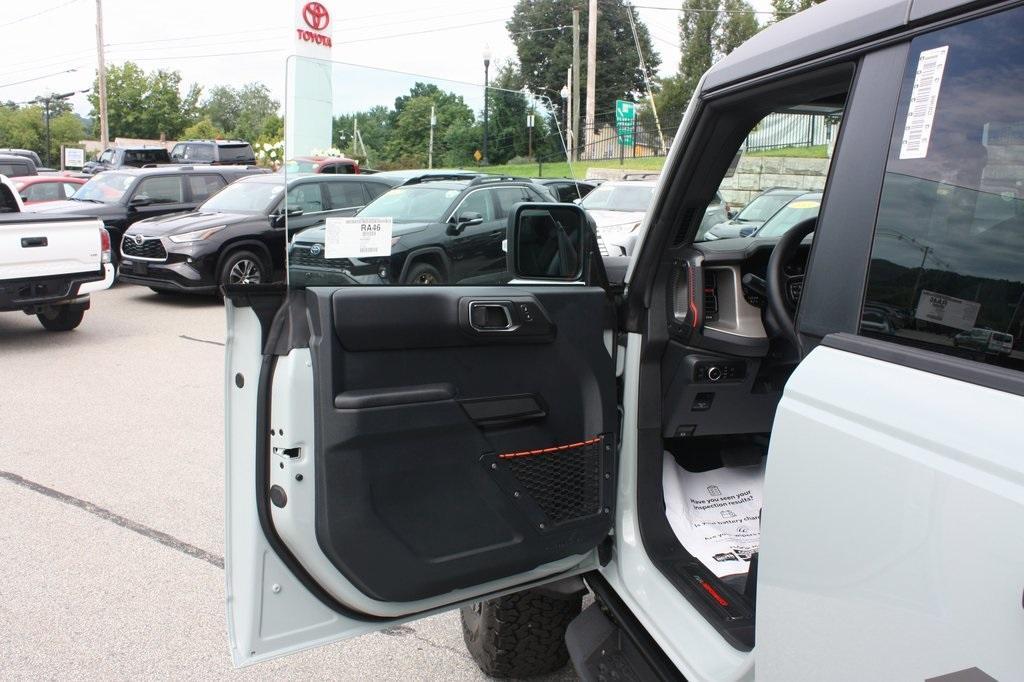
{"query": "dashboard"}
pixel 720 362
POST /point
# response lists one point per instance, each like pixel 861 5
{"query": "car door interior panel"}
pixel 455 447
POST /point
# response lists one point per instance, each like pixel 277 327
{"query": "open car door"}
pixel 395 451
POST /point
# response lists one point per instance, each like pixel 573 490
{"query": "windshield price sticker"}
pixel 947 310
pixel 358 237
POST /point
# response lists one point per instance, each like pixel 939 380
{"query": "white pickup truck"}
pixel 50 265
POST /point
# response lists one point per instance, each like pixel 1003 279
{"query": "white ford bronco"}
pixel 780 458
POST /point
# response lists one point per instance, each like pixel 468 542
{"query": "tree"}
pixel 25 128
pixel 784 8
pixel 545 55
pixel 203 129
pixel 454 141
pixel 739 23
pixel 145 105
pixel 241 113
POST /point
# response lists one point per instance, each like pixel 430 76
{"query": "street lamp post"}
pixel 487 66
pixel 564 92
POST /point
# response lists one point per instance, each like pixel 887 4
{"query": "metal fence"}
pixel 776 131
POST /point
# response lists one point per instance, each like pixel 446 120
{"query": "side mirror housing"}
pixel 747 231
pixel 547 242
pixel 139 201
pixel 464 220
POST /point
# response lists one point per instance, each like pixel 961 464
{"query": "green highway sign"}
pixel 625 121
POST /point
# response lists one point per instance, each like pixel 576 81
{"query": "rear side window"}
pixel 375 189
pixel 509 197
pixel 235 153
pixel 307 197
pixel 345 194
pixel 13 170
pixel 204 186
pixel 198 152
pixel 162 189
pixel 947 262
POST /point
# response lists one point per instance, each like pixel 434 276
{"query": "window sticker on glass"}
pixel 923 98
pixel 358 237
pixel 947 310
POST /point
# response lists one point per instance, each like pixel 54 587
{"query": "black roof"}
pixel 216 142
pixel 172 168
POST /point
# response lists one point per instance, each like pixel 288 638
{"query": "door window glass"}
pixel 204 186
pixel 307 197
pixel 163 189
pixel 43 191
pixel 508 197
pixel 70 188
pixel 947 262
pixel 345 194
pixel 478 202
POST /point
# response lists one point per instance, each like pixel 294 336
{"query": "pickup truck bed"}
pixel 49 265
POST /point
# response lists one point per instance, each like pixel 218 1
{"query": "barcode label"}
pixel 923 98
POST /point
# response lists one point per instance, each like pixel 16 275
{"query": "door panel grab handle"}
pixel 491 316
pixel 29 242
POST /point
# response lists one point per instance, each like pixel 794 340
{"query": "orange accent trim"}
pixel 722 601
pixel 548 451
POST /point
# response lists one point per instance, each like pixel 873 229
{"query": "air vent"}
pixel 710 296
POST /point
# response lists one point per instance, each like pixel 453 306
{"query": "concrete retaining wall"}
pixel 753 174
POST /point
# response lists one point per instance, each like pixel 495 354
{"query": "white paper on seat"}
pixel 715 514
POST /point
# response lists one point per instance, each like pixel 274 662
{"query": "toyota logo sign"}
pixel 315 250
pixel 316 16
pixel 138 239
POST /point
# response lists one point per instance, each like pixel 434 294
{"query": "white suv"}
pixel 750 479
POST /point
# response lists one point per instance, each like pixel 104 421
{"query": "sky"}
pixel 232 42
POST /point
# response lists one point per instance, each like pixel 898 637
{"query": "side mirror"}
pixel 280 217
pixel 747 231
pixel 547 242
pixel 139 201
pixel 577 201
pixel 464 220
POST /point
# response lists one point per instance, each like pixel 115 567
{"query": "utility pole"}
pixel 570 138
pixel 102 70
pixel 575 80
pixel 430 151
pixel 355 136
pixel 591 124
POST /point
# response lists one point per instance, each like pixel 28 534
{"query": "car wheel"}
pixel 520 634
pixel 61 318
pixel 424 274
pixel 243 267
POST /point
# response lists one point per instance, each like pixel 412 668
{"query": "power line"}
pixel 39 13
pixel 202 56
pixel 416 33
pixel 38 78
pixel 713 11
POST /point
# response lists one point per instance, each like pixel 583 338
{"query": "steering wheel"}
pixel 782 308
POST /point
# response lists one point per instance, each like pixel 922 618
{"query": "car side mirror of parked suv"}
pixel 547 241
pixel 464 220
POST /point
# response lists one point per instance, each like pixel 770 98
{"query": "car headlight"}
pixel 197 235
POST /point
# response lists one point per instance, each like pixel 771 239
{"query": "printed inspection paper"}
pixel 715 514
pixel 947 310
pixel 917 132
pixel 358 237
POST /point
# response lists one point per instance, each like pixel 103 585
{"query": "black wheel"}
pixel 243 267
pixel 61 318
pixel 424 274
pixel 521 634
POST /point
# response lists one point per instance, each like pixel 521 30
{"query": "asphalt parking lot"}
pixel 112 521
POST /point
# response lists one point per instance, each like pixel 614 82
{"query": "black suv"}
pixel 239 235
pixel 443 231
pixel 214 152
pixel 15 165
pixel 126 157
pixel 123 197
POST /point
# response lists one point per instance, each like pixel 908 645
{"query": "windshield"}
pixel 763 207
pixel 297 166
pixel 412 204
pixel 620 198
pixel 107 188
pixel 799 209
pixel 244 197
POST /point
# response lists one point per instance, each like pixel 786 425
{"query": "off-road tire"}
pixel 521 634
pixel 61 318
pixel 424 274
